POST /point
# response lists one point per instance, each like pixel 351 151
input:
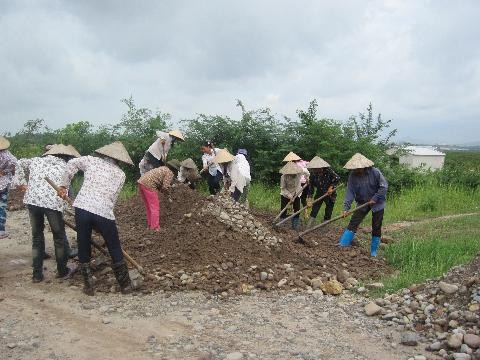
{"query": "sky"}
pixel 417 62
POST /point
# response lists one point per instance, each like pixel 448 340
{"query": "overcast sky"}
pixel 417 61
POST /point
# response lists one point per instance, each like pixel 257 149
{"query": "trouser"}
pixel 214 182
pixel 86 222
pixel 37 221
pixel 239 196
pixel 3 208
pixel 152 206
pixel 359 215
pixel 303 197
pixel 296 206
pixel 329 204
pixel 152 160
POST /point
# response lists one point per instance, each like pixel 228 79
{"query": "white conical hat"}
pixel 358 161
pixel 60 149
pixel 116 151
pixel 290 168
pixel 4 143
pixel 291 156
pixel 177 133
pixel 317 163
pixel 174 163
pixel 188 164
pixel 223 156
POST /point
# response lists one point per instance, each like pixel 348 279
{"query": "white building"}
pixel 420 156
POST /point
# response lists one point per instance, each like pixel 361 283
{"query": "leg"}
pixel 304 195
pixel 296 218
pixel 283 202
pixel 236 195
pixel 377 219
pixel 349 233
pixel 316 208
pixel 244 196
pixel 3 211
pixel 38 240
pixel 329 204
pixel 154 209
pixel 55 219
pixel 218 180
pixel 84 224
pixel 142 189
pixel 211 184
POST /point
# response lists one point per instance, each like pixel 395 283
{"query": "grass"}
pixel 428 250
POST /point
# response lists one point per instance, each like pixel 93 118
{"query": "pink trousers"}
pixel 152 206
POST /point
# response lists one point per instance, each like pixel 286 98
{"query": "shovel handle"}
pixel 53 185
pixel 289 203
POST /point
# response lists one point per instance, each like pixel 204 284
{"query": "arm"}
pixel 167 180
pixel 8 168
pixel 21 172
pixel 382 187
pixel 349 195
pixel 334 178
pixel 74 166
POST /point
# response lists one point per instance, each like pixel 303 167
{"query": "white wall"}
pixel 430 162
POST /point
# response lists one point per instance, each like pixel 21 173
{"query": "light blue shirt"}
pixel 369 186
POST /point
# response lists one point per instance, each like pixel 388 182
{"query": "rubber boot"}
pixel 347 238
pixel 311 222
pixel 120 270
pixel 87 279
pixel 374 245
pixel 295 223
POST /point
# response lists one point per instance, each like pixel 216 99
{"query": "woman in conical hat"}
pixel 322 180
pixel 157 153
pixel 366 184
pixel 188 173
pixel 304 179
pixel 236 170
pixel 291 189
pixel 94 204
pixel 7 169
pixel 214 172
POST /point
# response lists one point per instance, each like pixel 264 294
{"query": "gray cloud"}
pixel 416 61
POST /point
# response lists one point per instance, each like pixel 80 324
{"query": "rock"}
pixel 106 321
pixel 372 309
pixel 263 276
pixel 454 341
pixel 352 281
pixel 332 287
pixel 12 345
pixel 282 282
pixel 474 307
pixel 234 356
pixel 316 283
pixel 409 338
pixel 376 285
pixel 448 288
pixel 428 309
pixel 465 349
pixel 461 356
pixel 419 357
pixel 361 290
pixel 343 275
pixel 472 341
pixel 184 277
pixel 437 345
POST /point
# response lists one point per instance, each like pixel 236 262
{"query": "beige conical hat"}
pixel 290 168
pixel 60 149
pixel 116 151
pixel 178 134
pixel 291 156
pixel 358 161
pixel 4 143
pixel 223 156
pixel 317 163
pixel 188 164
pixel 175 163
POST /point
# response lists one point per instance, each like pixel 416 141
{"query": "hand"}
pixel 23 188
pixel 372 202
pixel 1 173
pixel 344 213
pixel 62 192
pixel 309 202
pixel 330 190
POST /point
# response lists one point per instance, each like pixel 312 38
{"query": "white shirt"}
pixel 32 172
pixel 290 185
pixel 159 150
pixel 103 180
pixel 207 160
pixel 239 172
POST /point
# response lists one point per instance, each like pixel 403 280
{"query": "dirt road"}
pixel 54 320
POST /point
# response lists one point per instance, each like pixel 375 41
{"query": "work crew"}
pixel 322 180
pixel 304 179
pixel 188 173
pixel 366 184
pixel 158 179
pixel 214 172
pixel 290 190
pixel 7 170
pixel 42 201
pixel 103 180
pixel 157 153
pixel 236 172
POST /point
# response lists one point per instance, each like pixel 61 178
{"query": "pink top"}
pixel 306 174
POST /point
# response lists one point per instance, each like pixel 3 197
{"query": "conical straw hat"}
pixel 317 163
pixel 175 163
pixel 4 143
pixel 223 156
pixel 60 149
pixel 291 156
pixel 116 151
pixel 188 164
pixel 358 161
pixel 290 168
pixel 178 134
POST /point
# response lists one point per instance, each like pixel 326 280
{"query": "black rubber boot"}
pixel 120 270
pixel 295 223
pixel 87 279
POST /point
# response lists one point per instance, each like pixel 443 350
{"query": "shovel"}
pixel 300 238
pixel 289 203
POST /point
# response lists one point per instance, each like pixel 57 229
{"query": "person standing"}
pixel 366 184
pixel 94 204
pixel 290 190
pixel 322 180
pixel 304 179
pixel 157 153
pixel 7 170
pixel 188 173
pixel 42 201
pixel 214 171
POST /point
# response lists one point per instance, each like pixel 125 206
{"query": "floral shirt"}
pixel 207 160
pixel 103 180
pixel 159 178
pixel 322 182
pixel 32 172
pixel 7 168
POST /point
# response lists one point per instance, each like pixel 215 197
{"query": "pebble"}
pixel 409 338
pixel 234 356
pixel 12 345
pixel 465 349
pixel 282 282
pixel 461 356
pixel 448 288
pixel 437 345
pixel 372 309
pixel 454 341
pixel 472 340
pixel 376 285
pixel 263 276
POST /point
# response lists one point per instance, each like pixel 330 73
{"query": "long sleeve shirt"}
pixel 160 150
pixel 290 185
pixel 369 186
pixel 7 168
pixel 185 175
pixel 239 173
pixel 103 180
pixel 157 179
pixel 321 182
pixel 32 172
pixel 207 160
pixel 145 165
pixel 302 164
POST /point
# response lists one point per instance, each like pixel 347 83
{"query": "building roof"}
pixel 423 151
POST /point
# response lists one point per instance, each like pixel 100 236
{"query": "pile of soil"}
pixel 195 250
pixel 15 200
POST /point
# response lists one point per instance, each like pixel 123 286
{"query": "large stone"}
pixel 343 275
pixel 454 341
pixel 234 356
pixel 376 285
pixel 472 341
pixel 409 338
pixel 316 283
pixel 437 345
pixel 263 276
pixel 448 288
pixel 372 309
pixel 461 356
pixel 282 282
pixel 332 287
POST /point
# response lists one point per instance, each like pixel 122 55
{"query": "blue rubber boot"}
pixel 347 238
pixel 295 223
pixel 374 245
